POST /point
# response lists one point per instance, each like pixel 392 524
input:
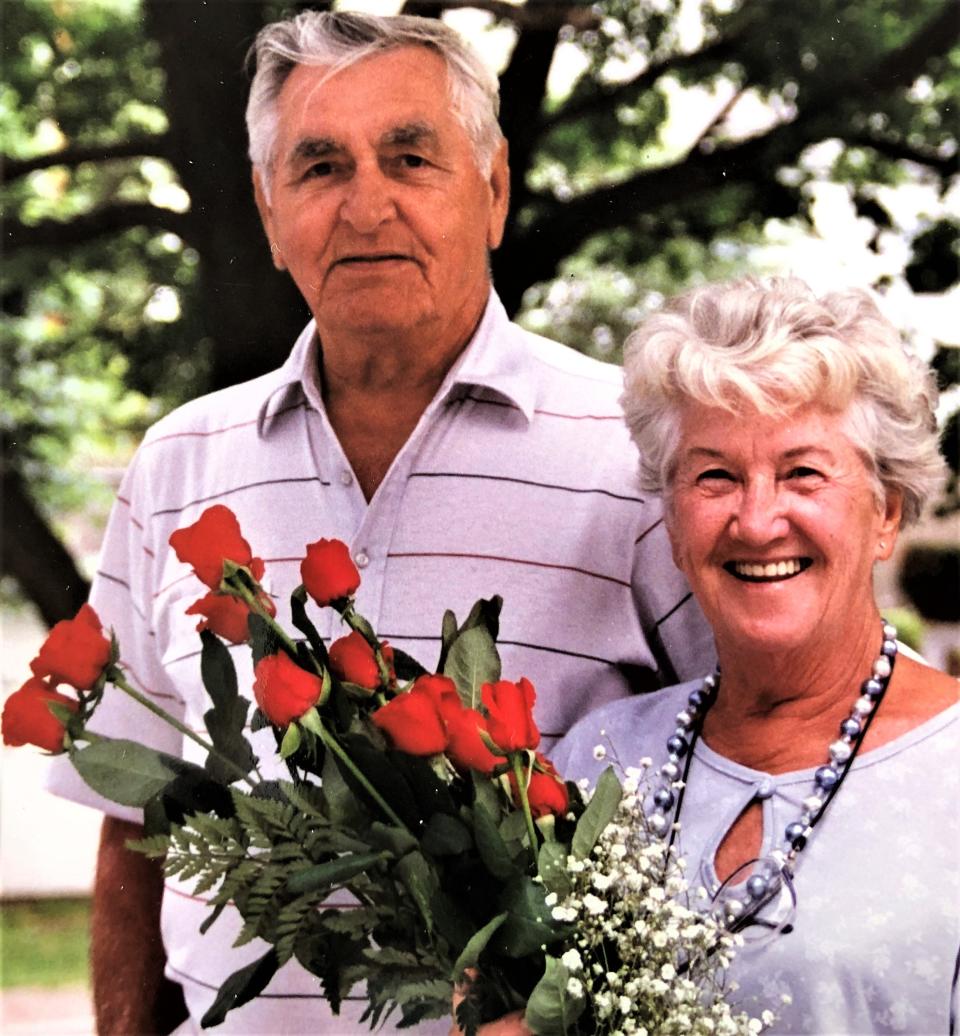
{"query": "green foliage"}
pixel 45 942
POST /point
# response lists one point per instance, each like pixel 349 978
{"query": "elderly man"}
pixel 456 454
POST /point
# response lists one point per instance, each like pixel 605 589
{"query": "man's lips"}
pixel 373 259
pixel 767 571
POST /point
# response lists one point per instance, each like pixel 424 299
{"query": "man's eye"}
pixel 412 161
pixel 320 169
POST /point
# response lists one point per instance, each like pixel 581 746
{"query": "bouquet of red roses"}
pixel 421 792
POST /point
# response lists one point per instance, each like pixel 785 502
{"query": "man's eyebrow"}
pixel 410 134
pixel 311 148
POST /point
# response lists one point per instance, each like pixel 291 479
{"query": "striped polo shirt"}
pixel 518 480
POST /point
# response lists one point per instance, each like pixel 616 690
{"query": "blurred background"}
pixel 654 144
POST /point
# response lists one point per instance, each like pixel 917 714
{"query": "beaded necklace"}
pixel 771 877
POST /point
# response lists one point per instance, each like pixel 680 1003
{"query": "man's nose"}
pixel 760 516
pixel 369 202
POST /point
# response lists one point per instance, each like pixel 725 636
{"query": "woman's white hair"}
pixel 338 39
pixel 769 348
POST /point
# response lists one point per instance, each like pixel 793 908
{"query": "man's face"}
pixel 376 205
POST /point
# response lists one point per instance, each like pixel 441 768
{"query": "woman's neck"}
pixel 779 713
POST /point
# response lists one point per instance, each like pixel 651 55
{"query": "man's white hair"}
pixel 337 39
pixel 769 348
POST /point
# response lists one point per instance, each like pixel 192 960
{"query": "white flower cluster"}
pixel 647 962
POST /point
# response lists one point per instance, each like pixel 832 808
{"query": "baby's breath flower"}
pixel 572 961
pixel 599 752
pixel 575 987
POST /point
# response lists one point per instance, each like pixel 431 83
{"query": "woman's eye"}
pixel 802 472
pixel 715 475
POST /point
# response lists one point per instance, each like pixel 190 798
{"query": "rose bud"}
pixel 510 714
pixel 75 651
pixel 442 688
pixel 27 719
pixel 284 691
pixel 226 616
pixel 465 749
pixel 328 572
pixel 413 723
pixel 546 792
pixel 214 538
pixel 353 660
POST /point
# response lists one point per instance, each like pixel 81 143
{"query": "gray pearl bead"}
pixel 757 886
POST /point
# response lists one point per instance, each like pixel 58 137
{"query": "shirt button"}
pixel 362 559
pixel 346 479
pixel 764 789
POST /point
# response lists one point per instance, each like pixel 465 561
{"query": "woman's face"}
pixel 775 525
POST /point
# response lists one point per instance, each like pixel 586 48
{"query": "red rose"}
pixel 510 714
pixel 214 538
pixel 28 721
pixel 328 571
pixel 546 792
pixel 465 748
pixel 226 616
pixel 353 660
pixel 413 722
pixel 75 651
pixel 283 690
pixel 442 688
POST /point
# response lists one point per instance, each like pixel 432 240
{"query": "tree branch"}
pixel 109 219
pixel 945 165
pixel 627 93
pixel 154 144
pixel 543 15
pixel 33 555
pixel 561 227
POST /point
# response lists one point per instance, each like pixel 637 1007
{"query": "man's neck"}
pixel 376 388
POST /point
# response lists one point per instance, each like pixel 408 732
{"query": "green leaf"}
pixel 123 771
pixel 529 924
pixel 406 666
pixel 485 613
pixel 599 812
pixel 291 741
pixel 471 662
pixel 448 634
pixel 241 987
pixel 335 872
pixel 263 638
pixel 396 840
pixel 552 868
pixel 298 614
pixel 217 670
pixel 446 836
pixel 225 724
pixel 551 1010
pixel 491 846
pixel 470 955
pixel 420 881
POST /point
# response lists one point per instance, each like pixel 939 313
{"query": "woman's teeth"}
pixel 767 570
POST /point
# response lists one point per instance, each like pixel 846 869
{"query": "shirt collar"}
pixel 494 361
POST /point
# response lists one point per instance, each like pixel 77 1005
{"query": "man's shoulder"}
pixel 227 408
pixel 554 360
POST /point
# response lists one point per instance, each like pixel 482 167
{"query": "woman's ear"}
pixel 890 520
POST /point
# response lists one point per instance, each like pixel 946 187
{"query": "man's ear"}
pixel 499 181
pixel 266 218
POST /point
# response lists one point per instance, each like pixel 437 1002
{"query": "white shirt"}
pixel 518 480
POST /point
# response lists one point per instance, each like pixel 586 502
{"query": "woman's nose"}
pixel 760 515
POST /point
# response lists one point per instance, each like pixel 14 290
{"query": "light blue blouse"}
pixel 877 932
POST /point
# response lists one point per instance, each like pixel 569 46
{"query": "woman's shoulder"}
pixel 621 732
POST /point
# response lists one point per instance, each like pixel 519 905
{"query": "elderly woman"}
pixel 791 437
